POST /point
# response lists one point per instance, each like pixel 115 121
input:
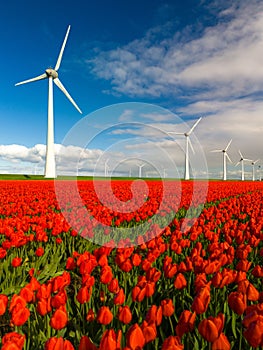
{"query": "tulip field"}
pixel 191 280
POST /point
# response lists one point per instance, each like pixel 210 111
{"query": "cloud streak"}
pixel 223 60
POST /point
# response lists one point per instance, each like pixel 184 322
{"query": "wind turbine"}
pixel 187 143
pixel 52 76
pixel 225 156
pixel 106 168
pixel 253 169
pixel 140 169
pixel 242 159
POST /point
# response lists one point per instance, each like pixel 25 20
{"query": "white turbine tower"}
pixel 225 156
pixel 259 170
pixel 187 143
pixel 140 169
pixel 242 159
pixel 253 168
pixel 52 76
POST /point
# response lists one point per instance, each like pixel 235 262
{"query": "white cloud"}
pixel 224 60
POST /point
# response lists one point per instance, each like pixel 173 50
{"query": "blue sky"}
pixel 191 58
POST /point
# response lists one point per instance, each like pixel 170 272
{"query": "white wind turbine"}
pixel 52 76
pixel 106 168
pixel 225 156
pixel 253 168
pixel 187 143
pixel 242 159
pixel 140 169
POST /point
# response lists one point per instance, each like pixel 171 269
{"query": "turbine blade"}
pixel 175 133
pixel 256 161
pixel 61 87
pixel 240 154
pixel 40 77
pixel 248 160
pixel 62 50
pixel 237 163
pixel 216 150
pixel 195 124
pixel 228 158
pixel 190 143
pixel 229 143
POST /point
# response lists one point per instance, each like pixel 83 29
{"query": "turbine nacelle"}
pixel 52 73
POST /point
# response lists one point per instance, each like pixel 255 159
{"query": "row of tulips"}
pixel 198 288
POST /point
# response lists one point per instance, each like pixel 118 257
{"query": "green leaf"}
pixel 233 324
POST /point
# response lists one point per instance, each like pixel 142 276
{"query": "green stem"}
pixel 171 324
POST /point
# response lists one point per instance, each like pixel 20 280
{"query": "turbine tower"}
pixel 187 143
pixel 52 76
pixel 253 169
pixel 242 159
pixel 140 169
pixel 225 156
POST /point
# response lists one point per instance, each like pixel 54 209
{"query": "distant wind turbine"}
pixel 242 159
pixel 140 169
pixel 106 168
pixel 52 76
pixel 225 156
pixel 253 169
pixel 187 143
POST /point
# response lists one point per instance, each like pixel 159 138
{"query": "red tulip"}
pixel 221 343
pixel 13 338
pixel 16 262
pixel 104 315
pixel 27 293
pixel 119 297
pixel 86 344
pixel 19 315
pixel 44 306
pixel 70 264
pixel 237 302
pixel 172 342
pixel 59 319
pixel 167 307
pixel 247 288
pixel 110 340
pixel 58 344
pixel 211 327
pixel 3 303
pixel 106 275
pixel 125 315
pixel 113 286
pixel 201 301
pixel 154 314
pixel 84 294
pixel 90 316
pixel 135 338
pixel 254 332
pixel 40 251
pixel 185 323
pixel 149 331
